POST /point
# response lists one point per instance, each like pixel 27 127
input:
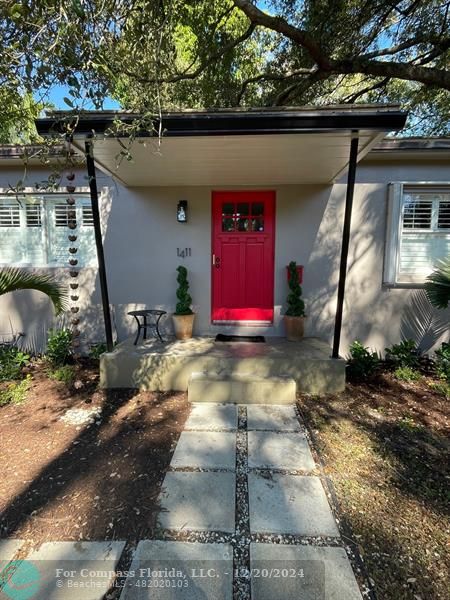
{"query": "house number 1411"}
pixel 184 252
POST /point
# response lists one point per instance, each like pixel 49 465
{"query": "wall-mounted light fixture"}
pixel 182 211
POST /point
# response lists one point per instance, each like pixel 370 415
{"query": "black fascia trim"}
pixel 179 125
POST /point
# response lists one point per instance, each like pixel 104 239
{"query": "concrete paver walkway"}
pixel 244 516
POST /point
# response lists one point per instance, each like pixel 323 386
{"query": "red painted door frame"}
pixel 243 253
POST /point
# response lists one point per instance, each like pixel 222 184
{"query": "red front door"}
pixel 243 256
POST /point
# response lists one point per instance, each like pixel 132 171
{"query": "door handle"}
pixel 216 261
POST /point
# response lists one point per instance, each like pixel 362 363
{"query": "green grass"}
pixel 64 374
pixel 441 387
pixel 15 393
pixel 407 374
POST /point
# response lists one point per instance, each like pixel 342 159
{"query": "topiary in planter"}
pixel 183 318
pixel 295 313
pixel 184 299
pixel 296 306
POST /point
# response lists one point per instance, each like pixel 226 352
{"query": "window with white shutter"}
pixel 34 230
pixel 418 232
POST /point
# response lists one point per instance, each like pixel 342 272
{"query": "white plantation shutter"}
pixel 60 214
pixel 425 232
pixel 418 233
pixel 34 230
pixel 21 234
pixel 10 231
pixel 87 249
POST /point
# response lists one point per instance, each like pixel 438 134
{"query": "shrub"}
pixel 405 354
pixel 12 361
pixel 96 350
pixel 407 374
pixel 65 374
pixel 184 299
pixel 59 346
pixel 15 393
pixel 362 362
pixel 442 360
pixel 296 306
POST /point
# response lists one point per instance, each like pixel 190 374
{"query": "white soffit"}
pixel 256 160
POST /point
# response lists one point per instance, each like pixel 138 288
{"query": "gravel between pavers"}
pixel 242 538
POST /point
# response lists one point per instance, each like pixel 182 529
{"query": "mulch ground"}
pixel 385 445
pixel 89 482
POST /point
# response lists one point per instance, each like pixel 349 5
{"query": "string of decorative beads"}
pixel 73 262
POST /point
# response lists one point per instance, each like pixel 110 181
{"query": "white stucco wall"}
pixel 141 237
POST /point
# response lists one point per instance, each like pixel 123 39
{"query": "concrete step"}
pixel 242 388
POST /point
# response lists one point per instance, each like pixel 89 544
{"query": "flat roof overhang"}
pixel 233 147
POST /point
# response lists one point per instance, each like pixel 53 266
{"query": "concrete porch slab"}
pixel 272 418
pixel 272 450
pixel 183 562
pixel 289 504
pixel 241 388
pixel 154 365
pixel 327 573
pixel 205 450
pixel 70 570
pixel 209 416
pixel 198 501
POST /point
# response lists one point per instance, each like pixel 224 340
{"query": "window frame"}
pixel 394 230
pixel 82 191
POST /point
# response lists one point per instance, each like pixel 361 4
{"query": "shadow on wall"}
pixel 375 315
pixel 363 285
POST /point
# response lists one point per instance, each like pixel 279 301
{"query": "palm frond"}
pixel 437 285
pixel 12 279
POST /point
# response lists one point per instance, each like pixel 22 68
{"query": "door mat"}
pixel 259 339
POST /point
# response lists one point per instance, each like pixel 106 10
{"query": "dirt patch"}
pixel 62 480
pixel 385 445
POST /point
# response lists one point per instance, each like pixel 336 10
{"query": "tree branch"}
pixel 440 45
pixel 396 70
pixel 285 95
pixel 271 77
pixel 280 25
pixel 427 75
pixel 353 97
pixel 204 65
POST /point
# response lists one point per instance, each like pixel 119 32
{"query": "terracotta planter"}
pixel 294 328
pixel 183 325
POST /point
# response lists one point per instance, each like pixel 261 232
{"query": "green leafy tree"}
pixel 159 54
pixel 17 121
pixel 12 279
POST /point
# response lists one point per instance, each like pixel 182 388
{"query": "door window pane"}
pixel 243 209
pixel 243 224
pixel 228 208
pixel 227 224
pixel 258 224
pixel 257 209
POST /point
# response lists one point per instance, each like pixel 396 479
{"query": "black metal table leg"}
pixel 138 330
pixel 157 328
pixel 150 319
